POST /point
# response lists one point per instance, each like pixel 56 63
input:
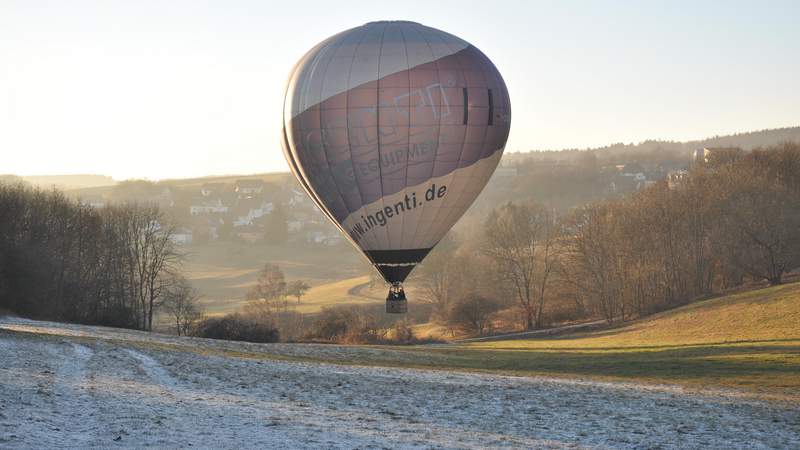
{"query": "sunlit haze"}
pixel 176 89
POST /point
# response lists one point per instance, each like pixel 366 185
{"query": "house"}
pixel 207 206
pixel 720 155
pixel 182 236
pixel 209 189
pixel 248 187
pixel 329 238
pixel 676 178
pixel 700 155
pixel 296 197
pixel 94 201
pixel 249 209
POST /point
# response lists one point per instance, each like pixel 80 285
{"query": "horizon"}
pixel 153 91
pixel 287 171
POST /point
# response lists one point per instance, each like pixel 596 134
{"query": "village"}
pixel 249 210
pixel 274 209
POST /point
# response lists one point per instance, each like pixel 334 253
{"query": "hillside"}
pixel 224 271
pixel 79 386
pixel 748 341
pixel 770 315
pixel 104 190
pixel 620 152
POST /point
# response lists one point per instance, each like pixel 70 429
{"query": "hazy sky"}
pixel 184 88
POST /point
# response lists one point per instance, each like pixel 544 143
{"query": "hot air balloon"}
pixel 393 128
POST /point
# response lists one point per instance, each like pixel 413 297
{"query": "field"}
pixel 748 341
pixel 224 272
pixel 722 373
pixel 85 387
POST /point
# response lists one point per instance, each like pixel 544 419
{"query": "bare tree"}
pixel 521 240
pixel 593 260
pixel 270 285
pixel 63 260
pixel 436 276
pixel 181 303
pixel 153 254
pixel 761 223
pixel 297 289
pixel 267 299
pixel 472 313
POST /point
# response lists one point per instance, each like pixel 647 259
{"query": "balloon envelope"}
pixel 394 128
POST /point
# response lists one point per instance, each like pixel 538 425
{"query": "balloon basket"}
pixel 396 302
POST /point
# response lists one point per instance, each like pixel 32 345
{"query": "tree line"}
pixel 732 219
pixel 62 260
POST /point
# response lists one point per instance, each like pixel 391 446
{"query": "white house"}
pixel 247 211
pixel 296 197
pixel 207 206
pixel 324 238
pixel 182 236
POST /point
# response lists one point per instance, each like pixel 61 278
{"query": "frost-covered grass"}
pixel 92 387
pixel 748 342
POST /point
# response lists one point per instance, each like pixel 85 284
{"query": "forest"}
pixel 734 218
pixel 62 260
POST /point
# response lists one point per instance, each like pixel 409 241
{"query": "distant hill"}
pixel 64 182
pixel 277 178
pixel 621 153
pixel 271 177
pixel 614 153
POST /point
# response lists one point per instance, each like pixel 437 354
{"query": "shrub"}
pixel 351 325
pixel 402 333
pixel 236 327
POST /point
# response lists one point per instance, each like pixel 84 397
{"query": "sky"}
pixel 168 89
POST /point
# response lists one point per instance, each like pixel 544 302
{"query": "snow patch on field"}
pixel 118 389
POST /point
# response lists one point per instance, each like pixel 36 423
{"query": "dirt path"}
pixel 64 390
pixel 357 291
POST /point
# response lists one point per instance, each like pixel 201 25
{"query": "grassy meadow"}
pixel 224 272
pixel 748 341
